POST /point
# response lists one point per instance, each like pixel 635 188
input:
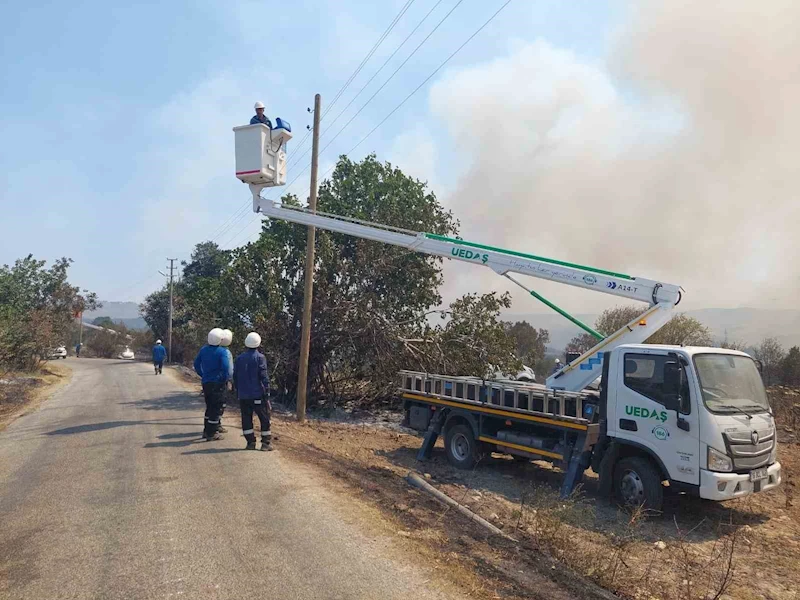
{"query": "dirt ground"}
pixel 745 549
pixel 21 393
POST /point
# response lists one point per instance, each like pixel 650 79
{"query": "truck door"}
pixel 642 419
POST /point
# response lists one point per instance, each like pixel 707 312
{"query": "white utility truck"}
pixel 691 420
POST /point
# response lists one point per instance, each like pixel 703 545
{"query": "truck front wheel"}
pixel 461 446
pixel 638 483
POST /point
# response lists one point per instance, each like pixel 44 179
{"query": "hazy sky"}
pixel 653 138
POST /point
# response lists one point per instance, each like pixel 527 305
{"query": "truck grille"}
pixel 747 455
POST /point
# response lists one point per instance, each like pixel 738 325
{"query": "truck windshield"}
pixel 730 383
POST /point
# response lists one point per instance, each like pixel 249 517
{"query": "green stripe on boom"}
pixel 443 238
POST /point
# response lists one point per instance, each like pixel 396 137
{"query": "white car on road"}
pixel 127 354
pixel 57 352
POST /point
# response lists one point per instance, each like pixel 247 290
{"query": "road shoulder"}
pixel 23 393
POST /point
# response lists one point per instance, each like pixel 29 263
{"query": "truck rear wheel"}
pixel 461 446
pixel 638 483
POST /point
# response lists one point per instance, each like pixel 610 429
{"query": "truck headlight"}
pixel 717 461
pixel 773 456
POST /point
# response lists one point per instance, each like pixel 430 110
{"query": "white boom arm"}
pixel 662 297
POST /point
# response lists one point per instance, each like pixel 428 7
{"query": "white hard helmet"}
pixel 227 337
pixel 253 340
pixel 259 105
pixel 158 341
pixel 558 361
pixel 215 337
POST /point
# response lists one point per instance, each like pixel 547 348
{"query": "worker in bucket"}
pixel 260 117
pixel 227 340
pixel 213 367
pixel 159 354
pixel 251 380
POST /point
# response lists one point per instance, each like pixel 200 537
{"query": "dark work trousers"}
pixel 223 405
pixel 213 395
pixel 159 365
pixel 261 407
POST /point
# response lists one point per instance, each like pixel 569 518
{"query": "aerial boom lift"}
pixel 662 413
pixel 261 163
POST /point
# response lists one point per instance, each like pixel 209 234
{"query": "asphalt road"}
pixel 108 492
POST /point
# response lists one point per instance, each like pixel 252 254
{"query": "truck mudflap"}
pixel 726 486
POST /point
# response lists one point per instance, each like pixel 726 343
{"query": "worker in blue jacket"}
pixel 159 355
pixel 251 380
pixel 227 340
pixel 213 367
pixel 260 117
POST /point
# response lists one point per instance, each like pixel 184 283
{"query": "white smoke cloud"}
pixel 674 159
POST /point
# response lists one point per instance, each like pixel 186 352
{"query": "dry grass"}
pixel 746 549
pixel 21 393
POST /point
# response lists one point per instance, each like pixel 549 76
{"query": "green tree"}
pixel 37 307
pixel 790 367
pixel 679 330
pixel 771 354
pixel 104 322
pixel 530 342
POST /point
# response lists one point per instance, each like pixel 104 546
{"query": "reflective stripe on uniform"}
pixel 246 431
pixel 256 401
pixel 267 432
pixel 213 422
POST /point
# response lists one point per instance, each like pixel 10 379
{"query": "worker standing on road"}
pixel 159 354
pixel 227 340
pixel 260 117
pixel 213 367
pixel 251 379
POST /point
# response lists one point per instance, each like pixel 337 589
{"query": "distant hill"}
pixel 746 325
pixel 115 310
pixel 119 312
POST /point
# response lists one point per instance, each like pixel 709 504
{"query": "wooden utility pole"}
pixel 169 331
pixel 305 332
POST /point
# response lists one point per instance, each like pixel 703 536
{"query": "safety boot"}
pixel 266 447
pixel 215 437
pixel 251 446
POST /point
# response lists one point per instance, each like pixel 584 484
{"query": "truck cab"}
pixel 698 417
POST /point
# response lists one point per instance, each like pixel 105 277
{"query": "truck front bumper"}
pixel 726 486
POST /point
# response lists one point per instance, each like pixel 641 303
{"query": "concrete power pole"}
pixel 305 334
pixel 169 331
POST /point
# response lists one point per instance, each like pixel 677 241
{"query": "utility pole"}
pixel 305 332
pixel 169 331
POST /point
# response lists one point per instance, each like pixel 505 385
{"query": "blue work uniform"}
pixel 214 368
pixel 251 379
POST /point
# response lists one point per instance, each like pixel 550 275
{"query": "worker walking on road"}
pixel 78 347
pixel 159 354
pixel 227 340
pixel 251 379
pixel 213 367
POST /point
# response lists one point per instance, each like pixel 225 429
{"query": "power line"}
pixel 369 55
pixel 396 50
pixel 392 75
pixel 406 99
pixel 429 77
pixel 393 55
pixel 230 221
